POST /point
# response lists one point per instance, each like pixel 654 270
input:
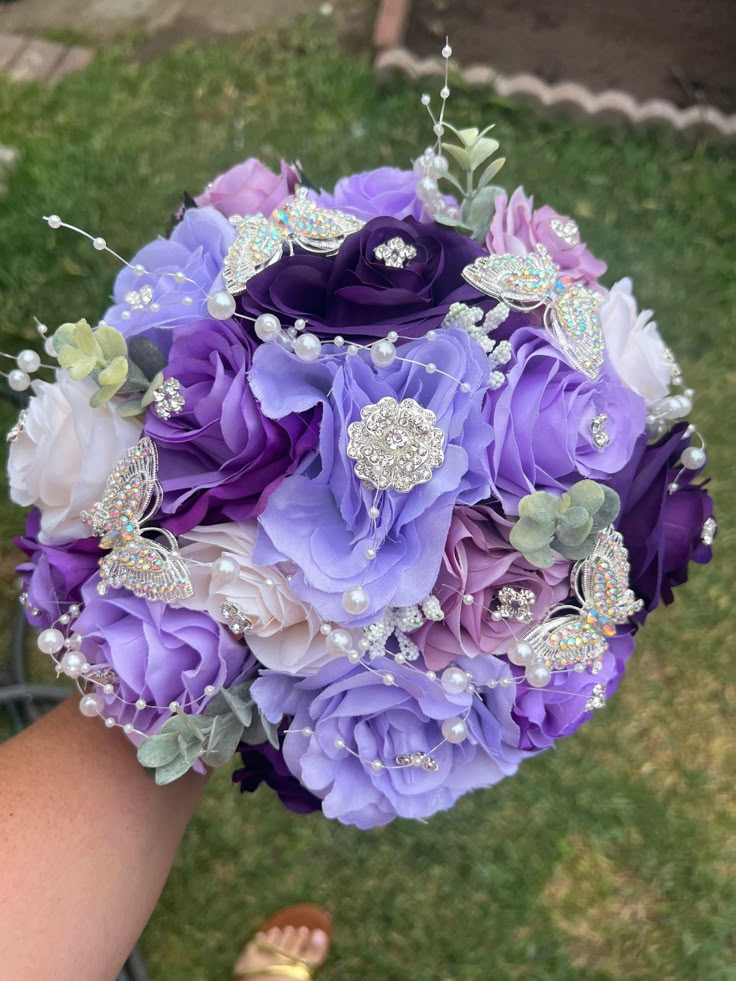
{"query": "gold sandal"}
pixel 284 965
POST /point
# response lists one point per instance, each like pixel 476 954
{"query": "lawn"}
pixel 611 858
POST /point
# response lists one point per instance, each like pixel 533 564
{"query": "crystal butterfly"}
pixel 261 241
pixel 527 282
pixel 133 495
pixel 601 584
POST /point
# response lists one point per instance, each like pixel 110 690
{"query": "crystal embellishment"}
pixel 396 445
pixel 530 281
pixel 167 398
pixel 422 761
pixel 478 327
pixel 395 252
pixel 236 620
pixel 597 698
pixel 601 439
pixel 399 621
pixel 566 230
pixel 514 604
pixel 19 428
pixel 138 299
pixel 709 531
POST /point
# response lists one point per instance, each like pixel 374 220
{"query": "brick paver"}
pixel 10 47
pixel 37 61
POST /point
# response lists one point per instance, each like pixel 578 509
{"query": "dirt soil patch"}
pixel 680 50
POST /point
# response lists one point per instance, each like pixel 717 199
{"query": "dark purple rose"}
pixel 220 457
pixel 358 296
pixel 662 530
pixel 54 575
pixel 265 764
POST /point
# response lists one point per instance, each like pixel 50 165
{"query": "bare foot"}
pixel 298 943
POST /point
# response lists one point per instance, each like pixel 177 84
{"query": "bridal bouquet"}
pixel 371 487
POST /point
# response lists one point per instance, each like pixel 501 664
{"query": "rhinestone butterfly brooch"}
pixel 601 584
pixel 527 282
pixel 261 241
pixel 132 496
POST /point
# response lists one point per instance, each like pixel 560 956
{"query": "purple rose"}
pixel 479 561
pixel 265 764
pixel 153 303
pixel 384 192
pixel 542 419
pixel 380 722
pixel 517 228
pixel 357 295
pixel 249 188
pixel 220 457
pixel 662 530
pixel 54 575
pixel 320 521
pixel 160 653
pixel 546 714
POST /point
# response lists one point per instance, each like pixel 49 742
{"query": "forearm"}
pixel 86 843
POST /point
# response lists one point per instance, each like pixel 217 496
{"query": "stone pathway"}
pixel 27 59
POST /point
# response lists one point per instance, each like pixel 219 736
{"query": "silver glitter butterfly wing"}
pixel 602 582
pixel 573 321
pixel 564 640
pixel 321 230
pixel 521 282
pixel 148 569
pixel 132 491
pixel 259 243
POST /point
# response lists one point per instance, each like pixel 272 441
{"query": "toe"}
pixel 316 948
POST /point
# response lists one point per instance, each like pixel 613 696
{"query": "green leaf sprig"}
pixel 567 525
pixel 471 150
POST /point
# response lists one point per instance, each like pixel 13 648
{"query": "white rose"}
pixel 61 461
pixel 639 355
pixel 286 634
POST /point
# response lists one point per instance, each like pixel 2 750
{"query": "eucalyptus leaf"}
pixel 102 395
pixel 468 136
pixel 489 173
pixel 542 558
pixel 114 373
pixel 587 494
pixel 150 392
pixel 608 511
pixel 111 343
pixel 146 356
pixel 129 408
pixel 459 154
pixel 527 535
pixel 159 749
pixel 574 527
pixel 482 150
pixel 241 708
pixel 170 772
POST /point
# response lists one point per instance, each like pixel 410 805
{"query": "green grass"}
pixel 610 858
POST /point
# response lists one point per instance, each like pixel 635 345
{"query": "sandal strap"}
pixel 299 972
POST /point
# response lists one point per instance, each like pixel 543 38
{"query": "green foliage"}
pixel 567 524
pixel 471 151
pixel 212 737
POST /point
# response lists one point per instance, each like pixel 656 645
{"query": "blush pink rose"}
pixel 249 188
pixel 517 228
pixel 479 561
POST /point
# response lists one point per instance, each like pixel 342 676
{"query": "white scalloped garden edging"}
pixel 610 101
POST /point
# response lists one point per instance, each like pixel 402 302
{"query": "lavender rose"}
pixel 542 419
pixel 249 188
pixel 160 653
pixel 220 457
pixel 517 228
pixel 320 521
pixel 153 303
pixel 381 722
pixel 479 561
pixel 662 531
pixel 386 191
pixel 355 294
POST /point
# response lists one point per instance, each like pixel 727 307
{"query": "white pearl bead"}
pixel 468 599
pixel 338 341
pixel 180 276
pixel 108 689
pixel 673 487
pixel 99 243
pixel 338 641
pixel 388 679
pixel 300 323
pixel 306 731
pixel 173 706
pixel 48 346
pixel 71 664
pixel 693 458
pixel 325 629
pixel 64 618
pixel 352 349
pixel 18 380
pixel 383 353
pixel 454 730
pixel 125 315
pixel 128 728
pixel 363 644
pixel 465 387
pixel 74 610
pixel 186 300
pixel 109 723
pixel 370 552
pixel 209 690
pixel 53 221
pixel 339 744
pixel 426 99
pixel 538 675
pixel 356 600
pixel 42 329
pixel 50 641
pixel 392 336
pixel 373 513
pixel 579 667
pixel 431 335
pixel 267 327
pixel 438 129
pixel 447 52
pixel 400 658
pixel 431 676
pixel 226 567
pixel 430 367
pixel 521 653
pixel 354 657
pixel 444 92
pixel 28 361
pixel 507 682
pixel 221 305
pixel 139 269
pixel 376 766
pixel 307 347
pixel 140 704
pixel 91 705
pixel 454 680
